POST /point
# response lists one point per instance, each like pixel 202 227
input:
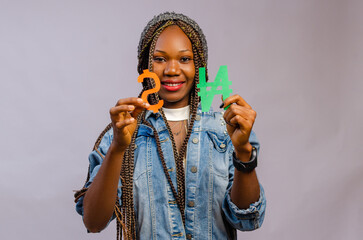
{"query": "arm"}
pixel 245 191
pixel 240 118
pixel 99 200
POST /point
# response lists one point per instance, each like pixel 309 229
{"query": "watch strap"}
pixel 246 166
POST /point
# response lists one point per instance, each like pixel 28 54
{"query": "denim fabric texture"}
pixel 209 171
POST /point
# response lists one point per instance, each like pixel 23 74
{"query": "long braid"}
pixel 127 173
pixel 179 195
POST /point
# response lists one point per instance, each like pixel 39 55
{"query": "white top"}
pixel 176 114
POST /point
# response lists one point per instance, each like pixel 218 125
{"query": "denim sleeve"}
pixel 95 161
pixel 244 219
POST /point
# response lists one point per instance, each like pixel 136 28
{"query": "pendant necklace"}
pixel 180 128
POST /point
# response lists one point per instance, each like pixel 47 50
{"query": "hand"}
pixel 123 117
pixel 240 118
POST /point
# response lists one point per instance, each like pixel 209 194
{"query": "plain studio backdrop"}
pixel 299 64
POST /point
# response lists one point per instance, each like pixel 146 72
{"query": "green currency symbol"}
pixel 221 80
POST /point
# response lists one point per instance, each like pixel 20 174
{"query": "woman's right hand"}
pixel 123 117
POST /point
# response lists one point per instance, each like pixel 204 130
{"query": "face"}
pixel 174 65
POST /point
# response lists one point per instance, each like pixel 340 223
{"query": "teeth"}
pixel 172 84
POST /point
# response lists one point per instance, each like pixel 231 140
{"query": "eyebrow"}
pixel 185 50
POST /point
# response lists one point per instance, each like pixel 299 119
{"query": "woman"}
pixel 173 174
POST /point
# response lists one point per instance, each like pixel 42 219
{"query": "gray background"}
pixel 63 64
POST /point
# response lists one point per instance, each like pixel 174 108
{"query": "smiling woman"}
pixel 160 181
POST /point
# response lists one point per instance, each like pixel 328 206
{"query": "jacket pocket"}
pixel 219 154
pixel 219 141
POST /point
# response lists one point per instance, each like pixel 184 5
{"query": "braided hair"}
pixel 125 213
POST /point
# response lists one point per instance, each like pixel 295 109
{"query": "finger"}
pixel 137 112
pixel 236 99
pixel 137 102
pixel 235 110
pixel 122 124
pixel 133 105
pixel 246 113
pixel 130 100
pixel 121 108
pixel 243 124
pixel 120 113
pixel 231 125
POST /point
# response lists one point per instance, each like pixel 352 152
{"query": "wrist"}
pixel 245 166
pixel 117 148
pixel 243 153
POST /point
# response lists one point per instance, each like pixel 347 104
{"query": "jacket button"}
pixel 189 236
pixel 193 169
pixel 191 204
pixel 197 117
pixel 195 140
pixel 222 145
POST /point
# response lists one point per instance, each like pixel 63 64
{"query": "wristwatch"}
pixel 246 167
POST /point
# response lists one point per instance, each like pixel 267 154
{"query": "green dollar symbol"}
pixel 221 80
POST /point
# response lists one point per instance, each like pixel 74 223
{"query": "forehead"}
pixel 173 37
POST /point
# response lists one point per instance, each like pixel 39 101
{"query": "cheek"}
pixel 158 70
pixel 191 73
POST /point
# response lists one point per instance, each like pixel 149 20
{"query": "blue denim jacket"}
pixel 209 211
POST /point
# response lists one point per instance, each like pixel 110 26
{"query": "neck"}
pixel 177 114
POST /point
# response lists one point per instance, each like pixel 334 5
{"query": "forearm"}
pixel 245 188
pixel 100 198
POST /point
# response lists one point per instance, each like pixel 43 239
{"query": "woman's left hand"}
pixel 240 118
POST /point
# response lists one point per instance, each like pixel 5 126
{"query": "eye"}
pixel 158 59
pixel 185 59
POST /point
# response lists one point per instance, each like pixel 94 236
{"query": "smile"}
pixel 170 86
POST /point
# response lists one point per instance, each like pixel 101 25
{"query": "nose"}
pixel 172 68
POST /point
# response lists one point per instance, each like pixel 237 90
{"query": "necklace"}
pixel 181 123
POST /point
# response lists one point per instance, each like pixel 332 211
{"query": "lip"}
pixel 177 85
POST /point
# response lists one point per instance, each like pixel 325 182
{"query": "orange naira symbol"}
pixel 147 74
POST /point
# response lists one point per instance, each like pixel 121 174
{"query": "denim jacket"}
pixel 209 171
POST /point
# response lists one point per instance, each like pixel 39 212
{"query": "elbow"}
pixel 93 227
pixel 93 230
pixel 93 223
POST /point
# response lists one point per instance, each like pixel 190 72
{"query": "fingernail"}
pixel 221 106
pixel 140 100
pixel 131 107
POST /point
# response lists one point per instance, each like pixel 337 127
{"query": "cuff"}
pixel 245 219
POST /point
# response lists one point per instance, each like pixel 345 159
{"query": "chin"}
pixel 174 102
